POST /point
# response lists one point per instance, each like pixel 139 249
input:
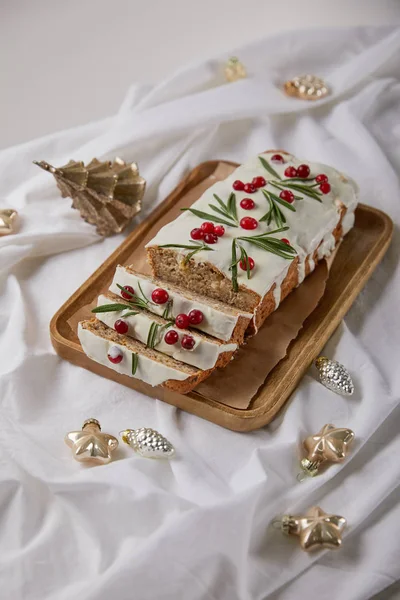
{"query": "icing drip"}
pixel 278 285
pixel 311 264
pixel 204 354
pixel 148 370
pixel 327 246
pixel 348 222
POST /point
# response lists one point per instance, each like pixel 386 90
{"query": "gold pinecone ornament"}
pixel 107 194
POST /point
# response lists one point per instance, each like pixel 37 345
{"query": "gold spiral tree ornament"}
pixel 306 87
pixel 107 194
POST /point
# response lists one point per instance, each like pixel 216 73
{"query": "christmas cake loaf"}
pixel 132 358
pixel 252 238
pixel 223 322
pixel 169 336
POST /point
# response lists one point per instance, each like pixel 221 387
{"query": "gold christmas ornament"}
pixel 334 376
pixel 147 442
pixel 328 445
pixel 234 70
pixel 90 445
pixel 107 194
pixel 315 530
pixel 306 87
pixel 8 221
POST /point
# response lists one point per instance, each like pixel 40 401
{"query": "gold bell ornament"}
pixel 331 444
pixel 90 444
pixel 148 442
pixel 334 376
pixel 234 70
pixel 306 87
pixel 315 529
pixel 8 221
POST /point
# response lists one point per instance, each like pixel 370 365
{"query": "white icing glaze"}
pixel 311 264
pixel 327 246
pixel 148 370
pixel 348 222
pixel 204 355
pixel 311 222
pixel 278 285
pixel 216 323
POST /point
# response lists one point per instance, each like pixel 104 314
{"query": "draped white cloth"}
pixel 198 527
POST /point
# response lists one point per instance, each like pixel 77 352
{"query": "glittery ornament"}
pixel 8 221
pixel 234 70
pixel 148 443
pixel 328 445
pixel 90 445
pixel 107 194
pixel 306 87
pixel 334 376
pixel 316 529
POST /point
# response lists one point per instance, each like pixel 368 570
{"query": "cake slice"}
pixel 252 238
pixel 188 346
pixel 132 358
pixel 219 320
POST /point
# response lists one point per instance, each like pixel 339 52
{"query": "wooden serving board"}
pixel 358 256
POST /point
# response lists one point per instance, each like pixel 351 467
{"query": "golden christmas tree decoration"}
pixel 331 444
pixel 234 70
pixel 148 442
pixel 334 376
pixel 8 221
pixel 315 529
pixel 90 444
pixel 107 194
pixel 306 87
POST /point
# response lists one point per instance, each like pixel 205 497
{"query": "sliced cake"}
pixel 188 346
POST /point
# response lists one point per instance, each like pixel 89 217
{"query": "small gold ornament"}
pixel 306 87
pixel 8 221
pixel 107 194
pixel 147 442
pixel 90 445
pixel 316 529
pixel 234 70
pixel 328 445
pixel 334 376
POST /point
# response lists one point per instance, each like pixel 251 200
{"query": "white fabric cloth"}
pixel 198 527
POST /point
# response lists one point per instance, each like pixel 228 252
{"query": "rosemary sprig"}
pixel 135 362
pixel 245 259
pixel 194 247
pixel 210 217
pixel 152 335
pixel 130 313
pixel 165 314
pixel 275 214
pixel 134 301
pixel 227 210
pixel 233 267
pixel 271 245
pixel 268 167
pixel 306 190
pixel 110 308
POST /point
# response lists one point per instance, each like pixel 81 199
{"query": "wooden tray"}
pixel 358 256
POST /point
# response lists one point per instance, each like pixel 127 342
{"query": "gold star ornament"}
pixel 8 221
pixel 315 530
pixel 331 444
pixel 90 444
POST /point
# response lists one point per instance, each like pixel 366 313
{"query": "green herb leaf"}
pixel 135 301
pixel 231 205
pixel 110 308
pixel 124 289
pixel 268 167
pixel 244 257
pixel 152 335
pixel 218 210
pixel 135 362
pixel 282 202
pixel 209 217
pixel 274 246
pixel 233 267
pixel 131 313
pixel 302 189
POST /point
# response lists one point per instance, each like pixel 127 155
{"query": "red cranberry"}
pixel 291 172
pixel 243 264
pixel 303 171
pixel 249 188
pixel 248 223
pixel 195 317
pixel 187 342
pixel 259 182
pixel 287 195
pixel 159 296
pixel 247 204
pixel 115 355
pixel 121 326
pixel 171 337
pixel 197 234
pixel 285 241
pixel 277 158
pixel 207 227
pixel 219 230
pixel 182 321
pixel 321 178
pixel 210 238
pixel 127 292
pixel 325 187
pixel 238 185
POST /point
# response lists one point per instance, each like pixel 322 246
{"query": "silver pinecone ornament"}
pixel 148 443
pixel 334 376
